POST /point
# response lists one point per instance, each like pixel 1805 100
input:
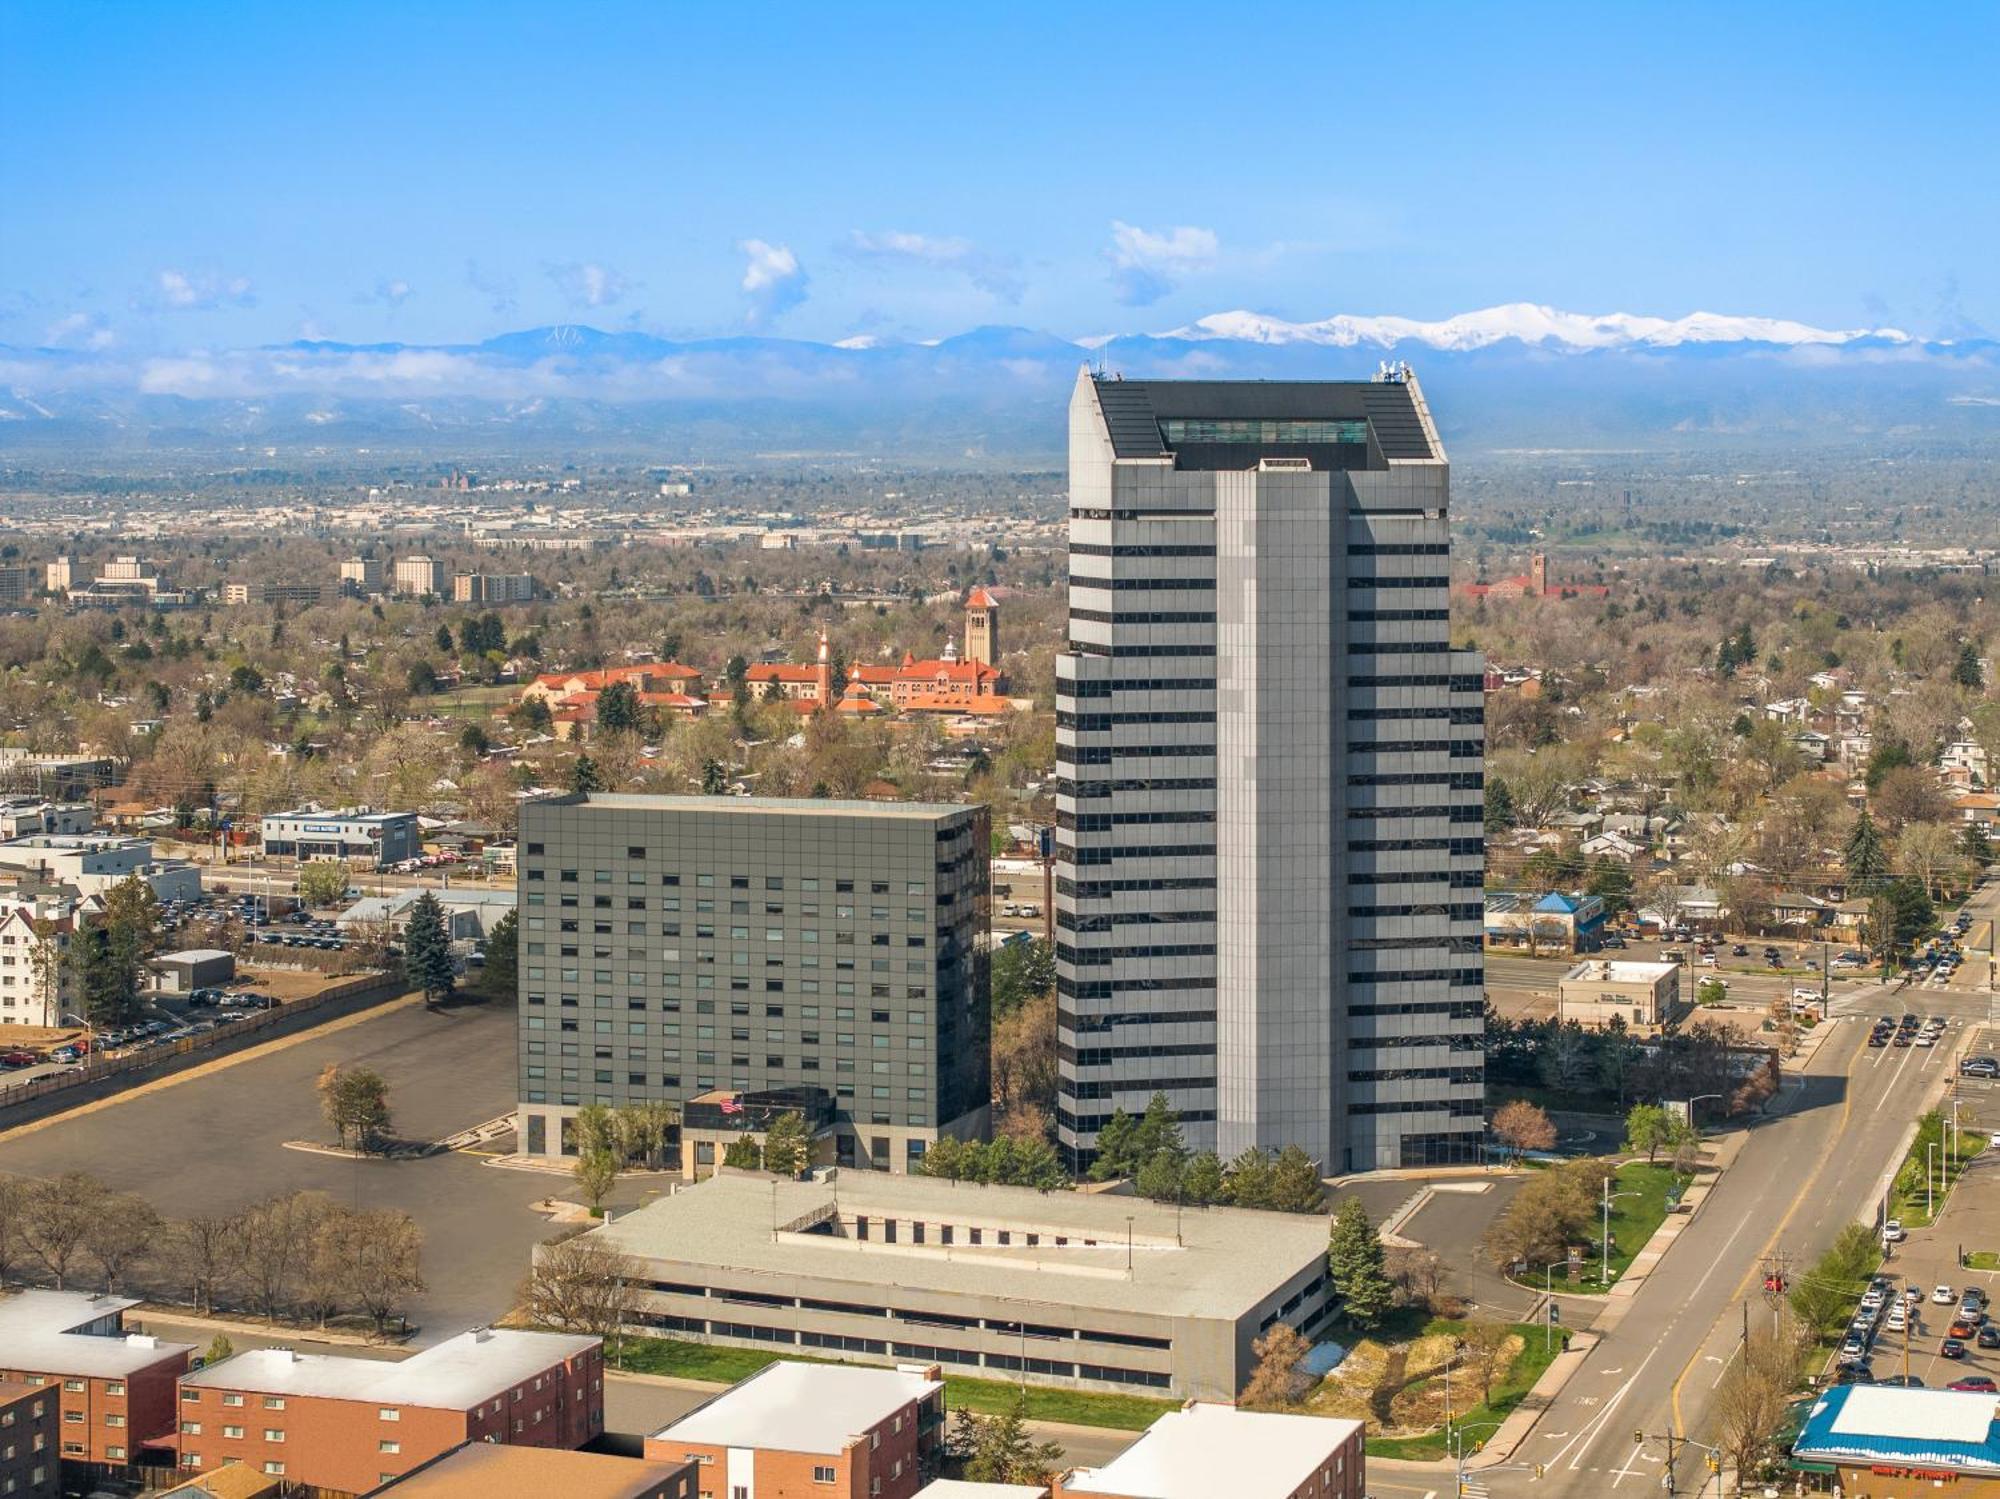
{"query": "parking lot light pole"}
pixel 1930 1198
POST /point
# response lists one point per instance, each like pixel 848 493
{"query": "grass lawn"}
pixel 1479 1422
pixel 1907 1201
pixel 685 1360
pixel 1633 1220
pixel 1982 1259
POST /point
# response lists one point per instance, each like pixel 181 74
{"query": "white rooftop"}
pixel 1206 1450
pixel 965 1488
pixel 1931 1415
pixel 796 1407
pixel 1618 971
pixel 456 1374
pixel 38 1336
pixel 194 955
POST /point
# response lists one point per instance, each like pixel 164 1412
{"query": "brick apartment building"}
pixel 116 1389
pixel 827 1431
pixel 481 1470
pixel 29 1468
pixel 1205 1450
pixel 347 1425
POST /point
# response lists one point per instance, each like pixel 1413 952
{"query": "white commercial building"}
pixel 94 862
pixel 1204 1451
pixel 1645 996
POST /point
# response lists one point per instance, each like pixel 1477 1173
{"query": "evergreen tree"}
pixel 618 709
pixel 1968 673
pixel 583 776
pixel 1295 1183
pixel 743 1155
pixel 427 950
pixel 714 781
pixel 1248 1179
pixel 1202 1183
pixel 1866 858
pixel 1500 813
pixel 1159 1129
pixel 444 639
pixel 1354 1265
pixel 503 950
pixel 1117 1148
pixel 1005 1453
pixel 788 1145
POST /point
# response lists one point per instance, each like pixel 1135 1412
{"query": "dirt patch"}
pixel 1400 1389
pixel 286 984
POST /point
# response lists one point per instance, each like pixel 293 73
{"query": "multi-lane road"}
pixel 1815 1166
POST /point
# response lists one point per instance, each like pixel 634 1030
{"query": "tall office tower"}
pixel 1269 807
pixel 738 956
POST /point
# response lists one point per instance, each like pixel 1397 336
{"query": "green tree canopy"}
pixel 427 950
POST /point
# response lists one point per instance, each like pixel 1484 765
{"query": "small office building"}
pixel 1645 996
pixel 1204 1451
pixel 1883 1443
pixel 1087 1290
pixel 193 968
pixel 372 840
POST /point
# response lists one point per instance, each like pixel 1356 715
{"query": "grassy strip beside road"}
pixel 1921 1186
pixel 684 1360
pixel 1634 1220
pixel 1536 1354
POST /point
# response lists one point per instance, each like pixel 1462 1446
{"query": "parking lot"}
pixel 1928 1261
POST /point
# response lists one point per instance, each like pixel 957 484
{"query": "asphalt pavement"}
pixel 1802 1175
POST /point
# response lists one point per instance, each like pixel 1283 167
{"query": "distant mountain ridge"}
pixel 1519 374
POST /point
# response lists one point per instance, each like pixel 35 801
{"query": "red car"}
pixel 1951 1348
pixel 18 1059
pixel 1980 1383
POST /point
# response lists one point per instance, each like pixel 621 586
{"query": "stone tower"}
pixel 982 628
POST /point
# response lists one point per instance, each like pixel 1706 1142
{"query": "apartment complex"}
pixel 35 932
pixel 419 576
pixel 818 1429
pixel 29 1427
pixel 1203 1451
pixel 1269 805
pixel 349 1424
pixel 702 946
pixel 1078 1289
pixel 482 1470
pixel 360 835
pixel 492 588
pixel 115 1390
pixel 361 576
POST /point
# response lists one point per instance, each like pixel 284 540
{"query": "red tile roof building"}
pixel 1534 584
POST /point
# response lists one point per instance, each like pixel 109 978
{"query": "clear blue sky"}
pixel 198 174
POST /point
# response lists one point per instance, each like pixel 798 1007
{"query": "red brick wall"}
pixel 893 1456
pixel 107 1413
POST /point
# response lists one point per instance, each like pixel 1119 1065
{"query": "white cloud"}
pixel 394 290
pixel 996 275
pixel 80 330
pixel 773 280
pixel 588 284
pixel 497 289
pixel 199 292
pixel 1147 264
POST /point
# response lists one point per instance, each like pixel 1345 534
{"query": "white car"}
pixel 1896 1322
pixel 1994 1138
pixel 1944 1296
pixel 1892 1232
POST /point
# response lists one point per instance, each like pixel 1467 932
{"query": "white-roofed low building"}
pixel 841 1431
pixel 80 1342
pixel 350 1424
pixel 966 1488
pixel 1203 1451
pixel 1892 1442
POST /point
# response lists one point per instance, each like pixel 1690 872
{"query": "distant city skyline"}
pixel 231 175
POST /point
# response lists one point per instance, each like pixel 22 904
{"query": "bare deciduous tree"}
pixel 59 1216
pixel 277 1235
pixel 125 1231
pixel 205 1252
pixel 384 1257
pixel 580 1285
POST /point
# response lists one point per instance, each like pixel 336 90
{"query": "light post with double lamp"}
pixel 1604 1275
pixel 1549 1318
pixel 1455 1444
pixel 1930 1197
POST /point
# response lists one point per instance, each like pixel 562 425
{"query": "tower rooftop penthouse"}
pixel 1269 776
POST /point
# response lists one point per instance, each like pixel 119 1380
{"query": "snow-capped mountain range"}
pixel 1519 374
pixel 1527 323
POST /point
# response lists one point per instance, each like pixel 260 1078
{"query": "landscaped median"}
pixel 680 1359
pixel 1930 1169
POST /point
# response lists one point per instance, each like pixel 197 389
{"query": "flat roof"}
pixel 794 806
pixel 194 955
pixel 38 1335
pixel 1953 1429
pixel 966 1488
pixel 1393 409
pixel 453 1375
pixel 481 1470
pixel 1207 1262
pixel 1205 1450
pixel 795 1407
pixel 1618 971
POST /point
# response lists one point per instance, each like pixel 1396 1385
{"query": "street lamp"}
pixel 1605 1274
pixel 1930 1198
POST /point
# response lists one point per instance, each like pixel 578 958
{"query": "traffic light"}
pixel 1714 1463
pixel 1638 1439
pixel 1556 1313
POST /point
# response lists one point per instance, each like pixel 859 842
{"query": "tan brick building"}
pixel 348 1425
pixel 813 1431
pixel 115 1390
pixel 1204 1451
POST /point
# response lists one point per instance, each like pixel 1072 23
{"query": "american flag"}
pixel 732 1105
